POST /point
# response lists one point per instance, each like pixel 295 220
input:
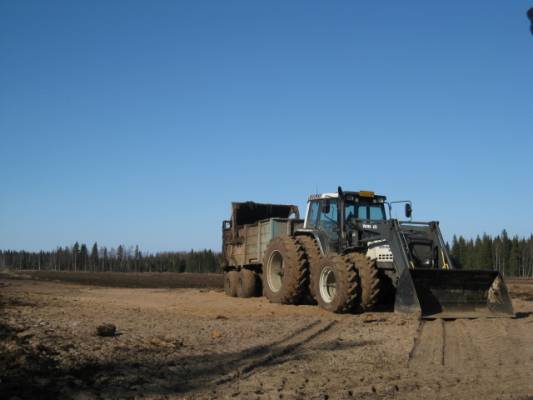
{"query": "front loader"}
pixel 347 256
pixel 427 280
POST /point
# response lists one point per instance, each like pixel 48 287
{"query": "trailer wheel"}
pixel 247 283
pixel 313 257
pixel 231 280
pixel 369 281
pixel 285 271
pixel 336 286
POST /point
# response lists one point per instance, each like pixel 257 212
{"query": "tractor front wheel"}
pixel 336 288
pixel 369 281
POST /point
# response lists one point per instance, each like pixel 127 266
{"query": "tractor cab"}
pixel 363 206
pixel 333 216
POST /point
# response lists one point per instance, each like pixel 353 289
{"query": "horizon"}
pixel 142 123
pixel 129 248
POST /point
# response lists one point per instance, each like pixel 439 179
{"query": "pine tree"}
pixel 105 262
pixel 84 257
pixel 94 257
pixel 76 255
pixel 455 247
pixel 138 258
pixel 514 257
pixel 120 256
pixel 463 259
pixel 485 253
pixel 506 251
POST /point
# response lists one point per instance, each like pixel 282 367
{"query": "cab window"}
pixel 312 215
pixel 364 211
pixel 376 212
pixel 328 220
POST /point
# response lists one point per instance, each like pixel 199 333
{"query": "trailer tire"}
pixel 314 256
pixel 231 280
pixel 285 271
pixel 369 281
pixel 247 283
pixel 337 284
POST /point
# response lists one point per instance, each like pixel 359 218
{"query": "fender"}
pixel 318 236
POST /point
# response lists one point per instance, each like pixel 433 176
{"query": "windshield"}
pixel 368 211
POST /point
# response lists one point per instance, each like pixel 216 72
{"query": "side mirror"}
pixel 530 16
pixel 408 210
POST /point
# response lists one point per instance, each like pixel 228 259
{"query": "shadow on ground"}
pixel 30 372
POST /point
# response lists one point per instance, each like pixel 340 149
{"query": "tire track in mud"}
pixel 428 346
pixel 497 354
pixel 282 348
pixel 458 342
pixel 460 351
pixel 481 357
pixel 506 349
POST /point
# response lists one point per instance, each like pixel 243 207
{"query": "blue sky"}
pixel 139 122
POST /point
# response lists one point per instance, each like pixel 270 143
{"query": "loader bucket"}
pixel 440 293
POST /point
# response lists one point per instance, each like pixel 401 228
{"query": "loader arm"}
pixel 406 296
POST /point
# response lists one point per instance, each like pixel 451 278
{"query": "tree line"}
pixel 510 256
pixel 100 259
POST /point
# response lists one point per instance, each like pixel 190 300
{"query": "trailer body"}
pixel 251 227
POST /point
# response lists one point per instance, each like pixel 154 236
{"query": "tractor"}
pixel 349 255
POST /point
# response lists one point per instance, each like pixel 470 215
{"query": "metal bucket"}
pixel 440 293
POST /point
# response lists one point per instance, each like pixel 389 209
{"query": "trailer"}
pixel 245 238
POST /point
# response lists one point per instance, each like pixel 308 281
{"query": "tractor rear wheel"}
pixel 247 283
pixel 337 287
pixel 369 281
pixel 314 256
pixel 231 280
pixel 285 271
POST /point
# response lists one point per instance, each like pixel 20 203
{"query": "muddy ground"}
pixel 198 343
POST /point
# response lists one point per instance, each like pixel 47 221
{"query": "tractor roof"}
pixel 334 195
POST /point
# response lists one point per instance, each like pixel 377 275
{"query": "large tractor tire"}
pixel 337 284
pixel 285 271
pixel 387 291
pixel 231 280
pixel 247 283
pixel 369 282
pixel 314 256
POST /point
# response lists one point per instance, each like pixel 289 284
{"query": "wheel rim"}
pixel 328 284
pixel 275 271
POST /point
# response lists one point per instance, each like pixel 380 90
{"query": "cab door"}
pixel 328 224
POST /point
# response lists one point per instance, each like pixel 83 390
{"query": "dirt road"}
pixel 198 343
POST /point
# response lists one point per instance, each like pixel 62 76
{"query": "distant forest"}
pixel 511 256
pixel 122 259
